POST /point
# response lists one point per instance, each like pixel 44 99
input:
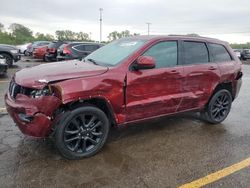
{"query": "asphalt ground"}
pixel 168 152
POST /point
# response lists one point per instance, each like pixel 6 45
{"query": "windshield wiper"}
pixel 93 61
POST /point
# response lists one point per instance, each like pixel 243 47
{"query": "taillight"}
pixel 239 75
pixel 51 50
pixel 66 50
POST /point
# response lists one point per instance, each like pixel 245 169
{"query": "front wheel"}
pixel 218 107
pixel 83 133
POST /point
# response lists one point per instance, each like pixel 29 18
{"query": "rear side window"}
pixel 164 53
pixel 91 48
pixel 195 52
pixel 55 44
pixel 79 47
pixel 219 53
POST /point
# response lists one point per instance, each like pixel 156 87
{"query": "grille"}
pixel 14 89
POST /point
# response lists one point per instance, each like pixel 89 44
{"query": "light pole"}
pixel 100 9
pixel 148 26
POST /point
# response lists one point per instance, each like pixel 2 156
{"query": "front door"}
pixel 157 91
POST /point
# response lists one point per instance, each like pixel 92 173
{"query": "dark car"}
pixel 76 50
pixel 51 53
pixel 35 45
pixel 128 80
pixel 245 54
pixel 10 53
pixel 3 65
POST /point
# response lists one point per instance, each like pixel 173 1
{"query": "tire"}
pixel 44 59
pixel 82 133
pixel 8 58
pixel 218 107
pixel 26 53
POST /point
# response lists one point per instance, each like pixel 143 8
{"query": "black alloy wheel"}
pixel 219 107
pixel 83 133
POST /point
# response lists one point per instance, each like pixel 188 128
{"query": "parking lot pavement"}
pixel 167 152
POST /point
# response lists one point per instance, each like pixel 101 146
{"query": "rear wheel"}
pixel 83 133
pixel 218 107
pixel 8 58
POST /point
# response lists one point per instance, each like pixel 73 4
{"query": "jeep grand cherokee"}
pixel 128 80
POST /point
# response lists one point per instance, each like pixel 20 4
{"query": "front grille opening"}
pixel 15 89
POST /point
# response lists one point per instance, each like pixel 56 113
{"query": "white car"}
pixel 23 48
pixel 237 52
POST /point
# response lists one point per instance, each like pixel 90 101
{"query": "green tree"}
pixel 82 36
pixel 116 35
pixel 21 33
pixel 66 35
pixel 41 36
pixel 241 46
pixel 1 27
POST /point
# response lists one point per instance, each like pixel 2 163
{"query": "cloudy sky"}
pixel 224 19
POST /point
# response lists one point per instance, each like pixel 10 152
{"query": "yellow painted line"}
pixel 218 175
pixel 2 110
pixel 4 81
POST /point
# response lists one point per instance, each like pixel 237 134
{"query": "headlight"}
pixel 40 93
pixel 14 51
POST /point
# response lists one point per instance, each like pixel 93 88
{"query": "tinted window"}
pixel 219 53
pixel 195 52
pixel 90 47
pixel 165 54
pixel 79 47
pixel 55 44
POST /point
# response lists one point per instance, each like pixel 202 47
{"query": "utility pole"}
pixel 148 26
pixel 100 9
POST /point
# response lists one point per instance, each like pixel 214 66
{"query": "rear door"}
pixel 201 75
pixel 221 56
pixel 157 91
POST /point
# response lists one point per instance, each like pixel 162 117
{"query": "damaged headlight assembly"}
pixel 39 93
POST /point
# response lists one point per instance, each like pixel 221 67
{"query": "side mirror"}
pixel 145 62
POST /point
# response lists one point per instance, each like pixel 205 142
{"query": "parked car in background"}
pixel 39 52
pixel 36 44
pixel 23 48
pixel 51 54
pixel 76 50
pixel 10 53
pixel 3 65
pixel 128 80
pixel 245 54
pixel 237 52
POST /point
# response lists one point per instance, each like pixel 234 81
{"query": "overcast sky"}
pixel 224 19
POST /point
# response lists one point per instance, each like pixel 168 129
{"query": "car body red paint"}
pixel 40 52
pixel 131 95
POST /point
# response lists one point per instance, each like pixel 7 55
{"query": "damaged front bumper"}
pixel 33 116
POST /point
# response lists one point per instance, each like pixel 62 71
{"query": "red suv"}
pixel 128 80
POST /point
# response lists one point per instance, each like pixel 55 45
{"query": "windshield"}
pixel 113 53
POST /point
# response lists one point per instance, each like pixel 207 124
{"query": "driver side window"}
pixel 165 54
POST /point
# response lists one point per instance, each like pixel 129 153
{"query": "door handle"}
pixel 173 71
pixel 212 68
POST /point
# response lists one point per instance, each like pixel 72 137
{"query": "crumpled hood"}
pixel 38 76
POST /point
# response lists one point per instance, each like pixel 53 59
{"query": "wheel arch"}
pixel 224 85
pixel 99 102
pixel 6 52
